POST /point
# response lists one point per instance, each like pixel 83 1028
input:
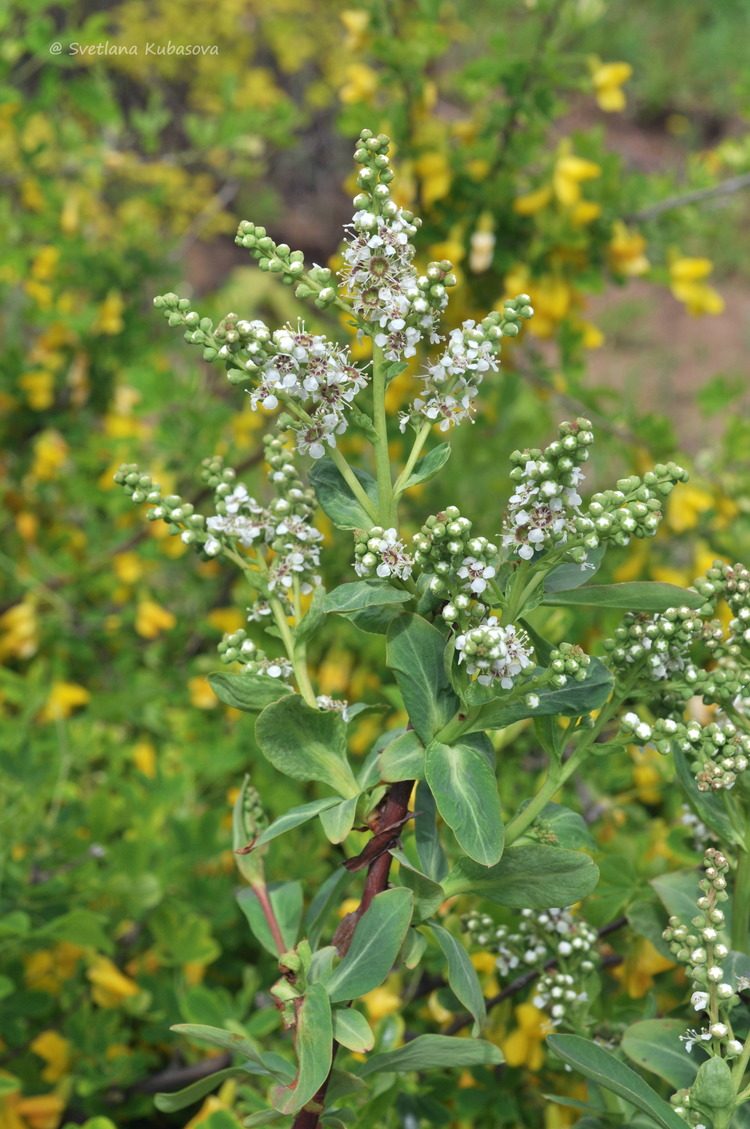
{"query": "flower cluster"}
pixel 495 653
pixel 719 751
pixel 660 642
pixel 237 647
pixel 632 509
pixel 546 491
pixel 451 382
pixel 700 948
pixel 561 946
pixel 379 552
pixel 378 275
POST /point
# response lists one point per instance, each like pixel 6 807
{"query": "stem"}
pixel 353 483
pixel 296 655
pixel 556 777
pixel 741 902
pixel 419 442
pixel 382 458
pixel 261 893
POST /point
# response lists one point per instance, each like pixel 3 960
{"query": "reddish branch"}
pixel 391 815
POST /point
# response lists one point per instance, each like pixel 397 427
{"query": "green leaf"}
pixel 375 620
pixel 351 1029
pixel 295 817
pixel 306 744
pixel 314 1046
pixel 575 699
pixel 248 692
pixel 286 902
pixel 655 1044
pixel 465 791
pixel 335 496
pixel 229 1041
pixel 374 947
pixel 361 594
pixel 338 821
pixel 428 895
pixel 462 976
pixel 415 652
pixel 80 927
pixel 429 848
pixel 403 758
pixel 567 576
pixel 413 949
pixel 313 617
pixel 648 920
pixel 633 596
pixel 429 466
pixel 528 876
pixel 709 806
pixel 608 1072
pixel 263 1117
pixel 178 1099
pixel 678 892
pixel 434 1052
pixel 568 826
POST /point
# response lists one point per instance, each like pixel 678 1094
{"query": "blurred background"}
pixel 594 154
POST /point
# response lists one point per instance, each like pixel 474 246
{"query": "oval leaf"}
pixel 178 1099
pixel 375 945
pixel 655 1044
pixel 428 895
pixel 335 496
pixel 306 744
pixel 402 759
pixel 575 699
pixel 351 1029
pixel 295 817
pixel 529 876
pixel 248 692
pixel 435 1052
pixel 632 596
pixel 462 976
pixel 228 1041
pixel 361 594
pixel 415 652
pixel 567 576
pixel 313 1043
pixel 429 466
pixel 465 791
pixel 429 848
pixel 338 821
pixel 608 1072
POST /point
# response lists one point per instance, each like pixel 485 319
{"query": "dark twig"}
pixel 723 188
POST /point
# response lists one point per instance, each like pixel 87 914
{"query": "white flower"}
pixel 699 1000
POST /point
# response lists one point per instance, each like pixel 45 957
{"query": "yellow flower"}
pixel 686 505
pixel 361 84
pixel 646 775
pixel 551 297
pixel 688 286
pixel 608 79
pixel 568 175
pixel 151 619
pixel 20 632
pixel 523 1047
pixel 356 22
pixel 38 386
pixel 41 1112
pixel 64 697
pixel 436 175
pixel 533 202
pixel 56 1052
pixel 144 758
pixel 637 973
pixel 129 567
pixel 110 987
pixel 593 338
pixel 45 263
pixel 109 317
pixel 626 251
pixel 201 694
pixel 50 455
pixel 46 970
pixel 585 212
pixel 226 619
pixel 383 1001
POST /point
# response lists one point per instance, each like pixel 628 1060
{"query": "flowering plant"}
pixel 469 650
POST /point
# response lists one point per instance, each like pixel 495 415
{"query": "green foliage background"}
pixel 124 175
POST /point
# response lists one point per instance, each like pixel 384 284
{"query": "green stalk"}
pixel 419 442
pixel 382 458
pixel 353 483
pixel 556 777
pixel 741 901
